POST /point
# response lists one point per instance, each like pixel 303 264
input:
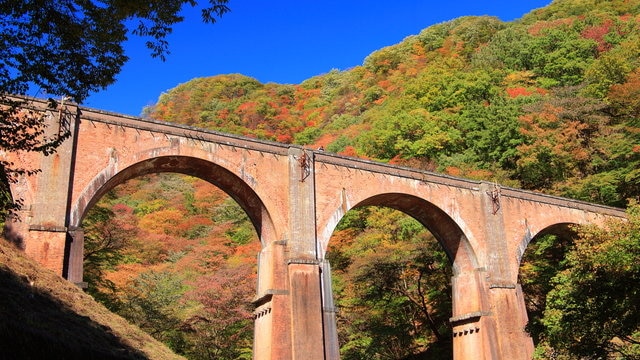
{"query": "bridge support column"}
pixel 510 315
pixel 272 316
pixel 506 303
pixel 473 329
pixel 46 238
pixel 305 284
pixel 331 345
pixel 75 254
pixel 46 245
pixel 307 339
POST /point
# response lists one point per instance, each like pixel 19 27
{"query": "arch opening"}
pixel 440 224
pixel 216 268
pixel 392 258
pixel 543 258
pixel 215 174
pixel 186 267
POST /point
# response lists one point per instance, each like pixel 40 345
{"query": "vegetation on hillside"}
pixel 547 103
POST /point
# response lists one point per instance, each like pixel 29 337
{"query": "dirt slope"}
pixel 42 316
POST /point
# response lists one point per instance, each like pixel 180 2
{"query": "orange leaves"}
pixel 626 97
pixel 533 123
pixel 247 107
pixel 284 138
pixel 349 151
pixel 386 84
pixel 560 141
pixel 517 91
pixel 540 26
pixel 161 221
pixel 206 195
pixel 514 92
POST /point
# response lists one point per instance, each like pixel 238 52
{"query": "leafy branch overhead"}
pixel 68 49
pixel 73 48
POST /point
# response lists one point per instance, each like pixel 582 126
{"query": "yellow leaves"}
pixel 161 221
pixel 526 78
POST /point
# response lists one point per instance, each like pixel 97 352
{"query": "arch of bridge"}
pixel 476 230
pixel 250 172
pixel 210 172
pixel 446 211
pixel 440 224
pixel 526 221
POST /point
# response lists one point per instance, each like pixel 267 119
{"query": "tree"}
pixel 560 55
pixel 592 311
pixel 107 232
pixel 152 302
pixel 222 326
pixel 543 260
pixel 69 49
pixel 72 48
pixel 391 281
pixel 560 139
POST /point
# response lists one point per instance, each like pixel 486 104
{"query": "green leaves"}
pixel 409 135
pixel 391 280
pixel 562 55
pixel 591 310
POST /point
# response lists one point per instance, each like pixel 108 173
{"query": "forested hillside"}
pixel 177 257
pixel 549 103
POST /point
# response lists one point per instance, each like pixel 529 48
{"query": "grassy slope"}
pixel 42 316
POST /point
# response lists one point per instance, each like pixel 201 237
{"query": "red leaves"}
pixel 598 33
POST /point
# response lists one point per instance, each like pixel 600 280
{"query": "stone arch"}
pixel 215 174
pixel 466 282
pixel 562 229
pixel 445 229
pixel 547 263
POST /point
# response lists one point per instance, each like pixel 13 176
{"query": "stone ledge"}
pixel 467 318
pixel 266 296
pixel 303 261
pixel 51 228
pixel 502 286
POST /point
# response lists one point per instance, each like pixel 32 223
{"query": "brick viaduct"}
pixel 295 197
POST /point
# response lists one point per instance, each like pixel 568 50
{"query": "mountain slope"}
pixel 42 316
pixel 545 103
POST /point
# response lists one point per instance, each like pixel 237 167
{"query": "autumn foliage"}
pixel 547 103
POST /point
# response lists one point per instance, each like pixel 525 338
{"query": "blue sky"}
pixel 283 41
